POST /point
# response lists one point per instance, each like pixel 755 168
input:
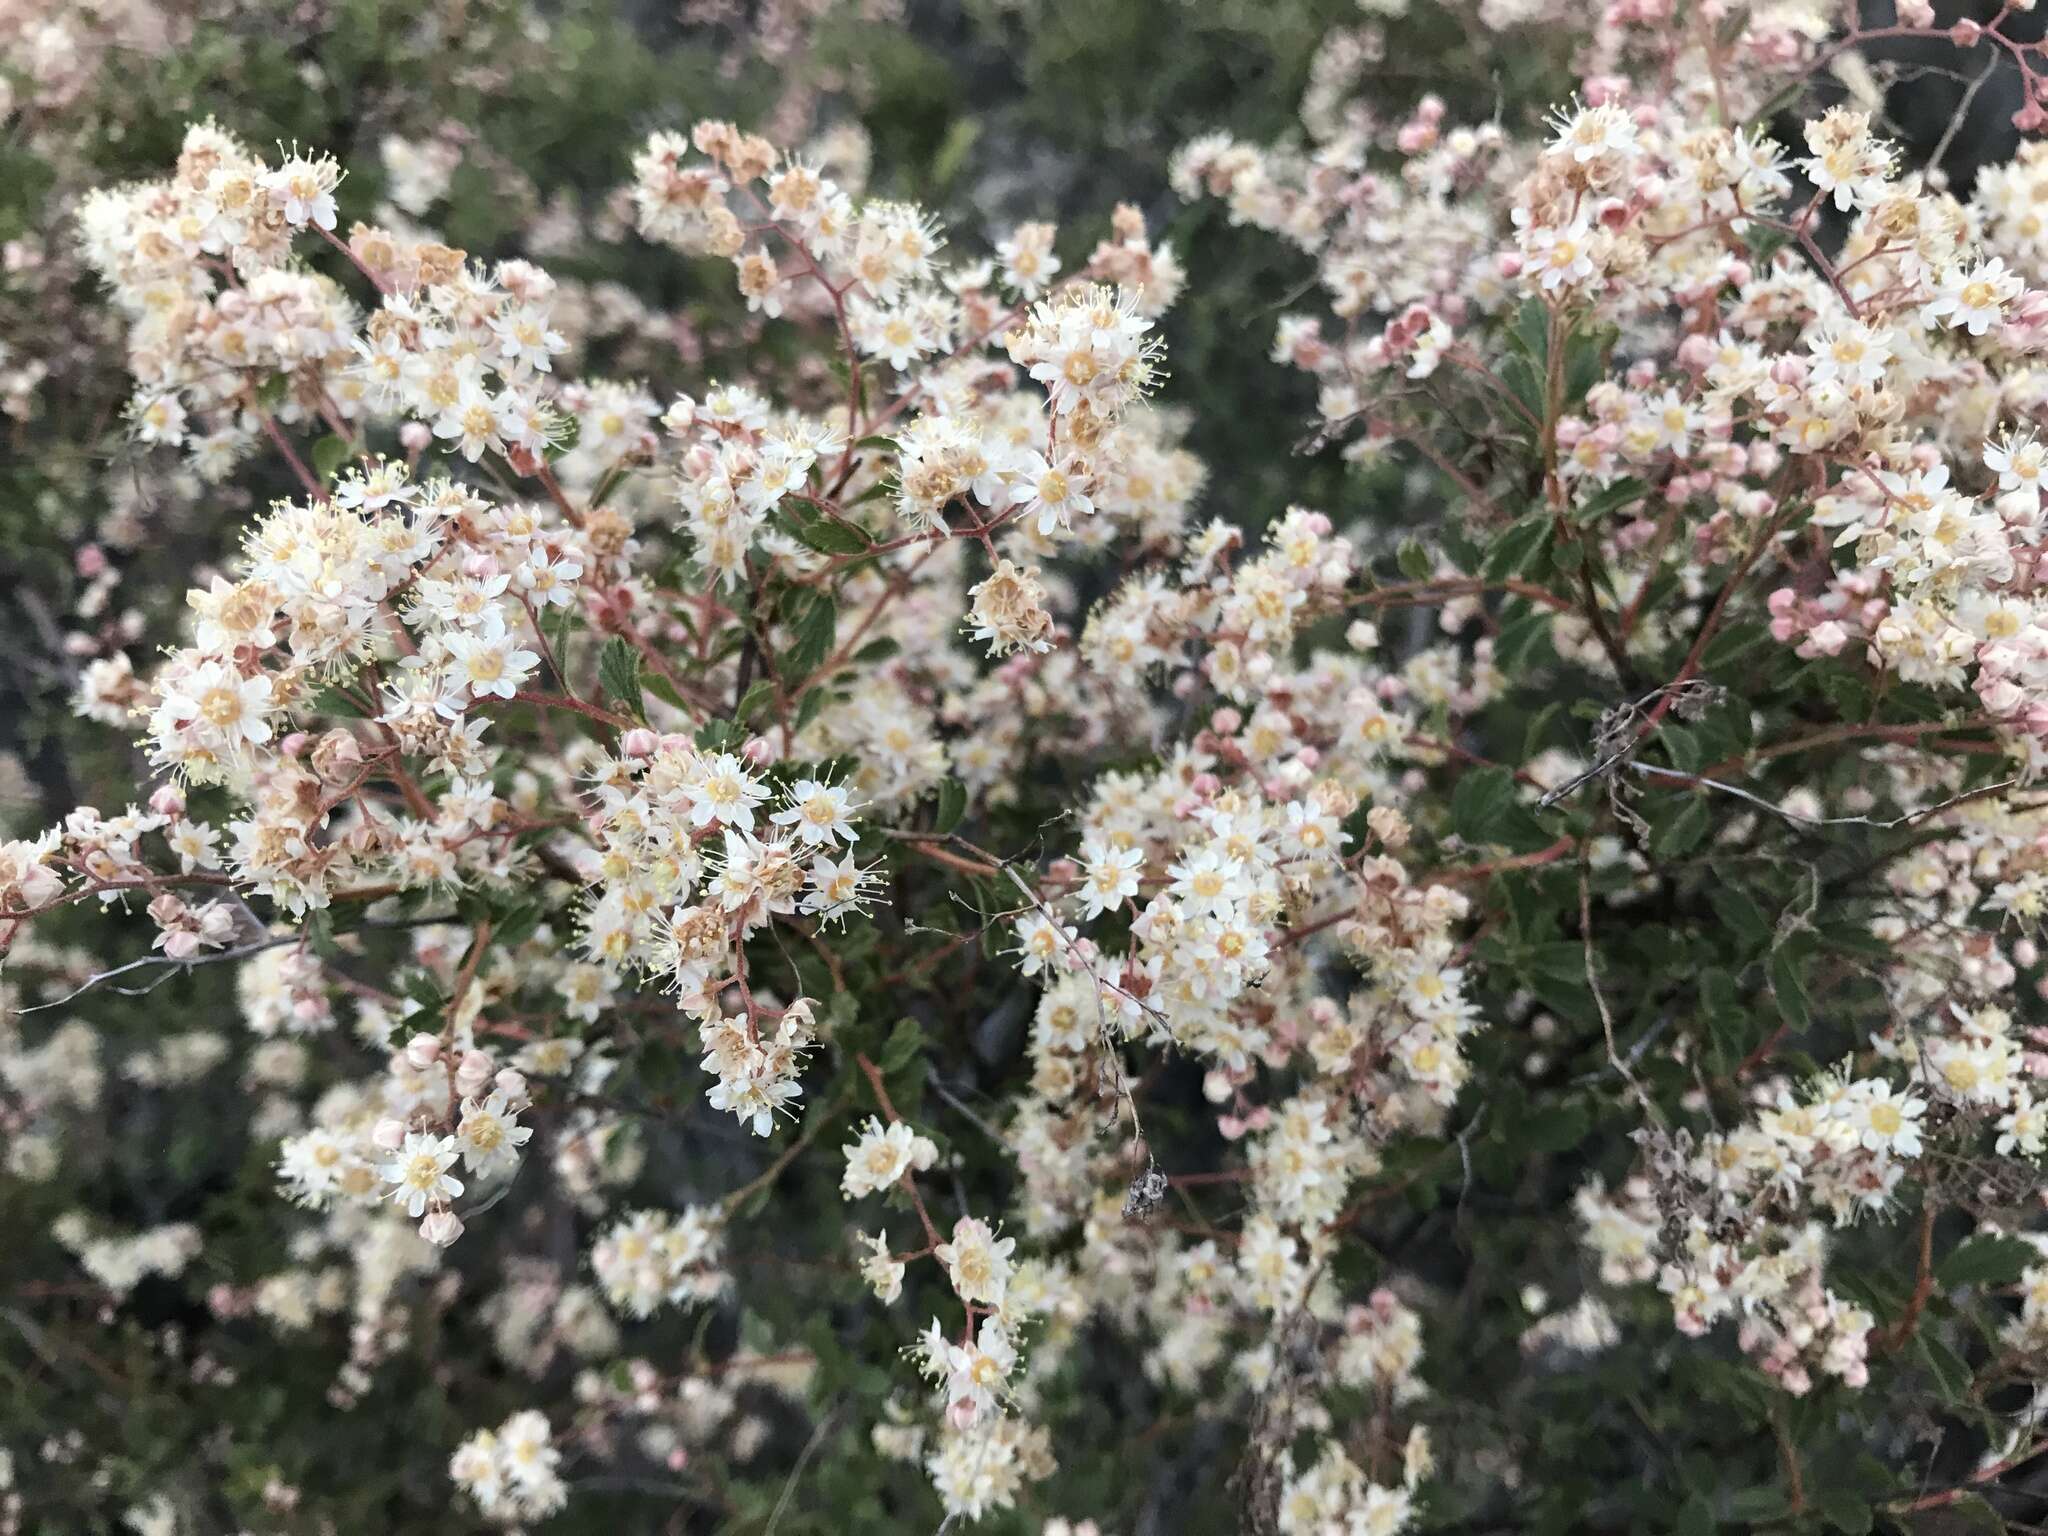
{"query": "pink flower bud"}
pixel 639 742
pixel 91 561
pixel 388 1135
pixel 415 436
pixel 441 1228
pixel 474 1072
pixel 168 801
pixel 512 1084
pixel 422 1051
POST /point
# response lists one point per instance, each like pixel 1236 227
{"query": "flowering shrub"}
pixel 847 904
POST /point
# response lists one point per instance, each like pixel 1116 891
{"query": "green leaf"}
pixel 1788 988
pixel 814 630
pixel 1521 640
pixel 1585 360
pixel 952 805
pixel 1413 559
pixel 618 673
pixel 664 690
pixel 1556 1128
pixel 320 934
pixel 1952 1374
pixel 1733 643
pixel 806 712
pixel 1985 1261
pixel 1531 333
pixel 756 696
pixel 561 630
pixel 1609 501
pixel 954 148
pixel 1515 550
pixel 332 701
pixel 1486 808
pixel 516 924
pixel 1742 915
pixel 329 454
pixel 1676 836
pixel 830 538
pixel 905 1041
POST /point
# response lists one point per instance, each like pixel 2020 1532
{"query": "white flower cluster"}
pixel 650 1259
pixel 398 1138
pixel 510 1471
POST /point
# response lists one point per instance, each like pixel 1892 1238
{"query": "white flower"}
pixel 1109 876
pixel 880 1270
pixel 818 813
pixel 1053 492
pixel 490 1135
pixel 218 703
pixel 882 1157
pixel 976 1372
pixel 977 1261
pixel 1039 943
pixel 1561 257
pixel 2018 461
pixel 723 791
pixel 1974 299
pixel 1885 1123
pixel 489 661
pixel 419 1173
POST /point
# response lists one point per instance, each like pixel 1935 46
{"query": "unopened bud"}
pixel 441 1228
pixel 338 757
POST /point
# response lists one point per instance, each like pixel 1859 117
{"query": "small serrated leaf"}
pixel 814 632
pixel 618 673
pixel 952 805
